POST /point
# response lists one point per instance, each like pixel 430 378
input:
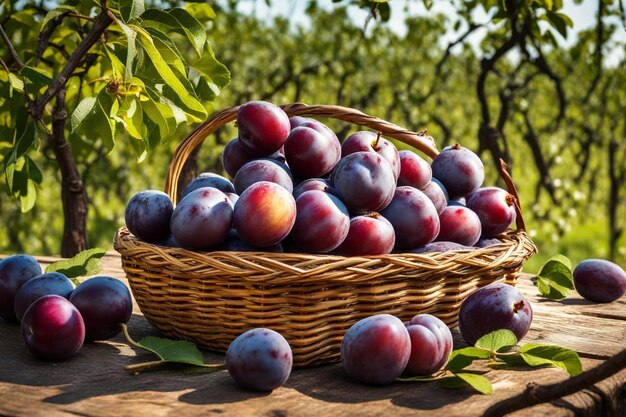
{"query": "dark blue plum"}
pixel 259 360
pixel 202 219
pixel 53 283
pixel 460 170
pixel 104 303
pixel 53 328
pixel 485 242
pixel 209 179
pixel 494 307
pixel 364 181
pixel 148 215
pixel 599 280
pixel 14 272
pixel 413 217
pixel 375 350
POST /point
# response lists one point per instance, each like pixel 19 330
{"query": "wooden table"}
pixel 94 382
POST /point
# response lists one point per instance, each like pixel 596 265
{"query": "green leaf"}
pixel 460 380
pixel 201 11
pixel 179 351
pixel 555 278
pixel 27 199
pixel 85 108
pixel 155 114
pixel 557 21
pixel 131 37
pixel 192 28
pixel 213 73
pixel 186 98
pixel 131 9
pixel 37 76
pixel 55 13
pixel 497 340
pixel 462 358
pixel 16 82
pixel 85 263
pixel 537 355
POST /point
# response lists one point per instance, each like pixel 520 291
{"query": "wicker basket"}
pixel 212 297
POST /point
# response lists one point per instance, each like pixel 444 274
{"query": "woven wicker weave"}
pixel 212 297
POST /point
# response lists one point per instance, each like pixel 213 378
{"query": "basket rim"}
pixel 298 268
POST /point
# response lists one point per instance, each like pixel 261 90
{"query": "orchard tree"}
pixel 77 78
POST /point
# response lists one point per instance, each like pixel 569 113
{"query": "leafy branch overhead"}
pixel 126 71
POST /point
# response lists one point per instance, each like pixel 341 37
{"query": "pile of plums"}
pixel 380 348
pixel 296 188
pixel 57 317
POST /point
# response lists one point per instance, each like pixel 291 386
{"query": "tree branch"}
pixel 103 21
pixel 12 50
pixel 539 394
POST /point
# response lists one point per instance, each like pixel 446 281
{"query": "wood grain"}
pixel 95 384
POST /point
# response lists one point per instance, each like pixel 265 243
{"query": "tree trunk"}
pixel 73 193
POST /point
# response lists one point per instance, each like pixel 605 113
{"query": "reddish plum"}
pixel 53 283
pixel 312 150
pixel 599 280
pixel 322 222
pixel 443 339
pixel 364 181
pixel 234 156
pixel 319 184
pixel 460 170
pixel 495 208
pixel 413 216
pixel 14 272
pixel 414 170
pixel 366 141
pixel 437 193
pixel 459 224
pixel 494 307
pixel 202 219
pixel 259 360
pixel 104 303
pixel 263 127
pixel 369 234
pixel 376 349
pixel 148 215
pixel 53 328
pixel 263 170
pixel 264 214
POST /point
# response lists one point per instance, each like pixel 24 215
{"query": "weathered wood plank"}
pixel 94 383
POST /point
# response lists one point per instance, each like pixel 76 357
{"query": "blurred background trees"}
pixel 509 79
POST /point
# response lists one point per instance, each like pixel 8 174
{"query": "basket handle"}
pixel 420 141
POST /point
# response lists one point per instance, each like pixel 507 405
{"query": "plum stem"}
pixel 518 306
pixel 375 143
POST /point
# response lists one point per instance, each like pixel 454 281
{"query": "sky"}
pixel 583 15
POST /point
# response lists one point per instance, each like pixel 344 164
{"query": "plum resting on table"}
pixel 431 344
pixel 599 280
pixel 14 272
pixel 44 284
pixel 104 303
pixel 376 350
pixel 53 328
pixel 494 307
pixel 259 360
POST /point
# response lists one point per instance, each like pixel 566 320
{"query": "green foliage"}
pixel 85 263
pixel 555 278
pixel 139 84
